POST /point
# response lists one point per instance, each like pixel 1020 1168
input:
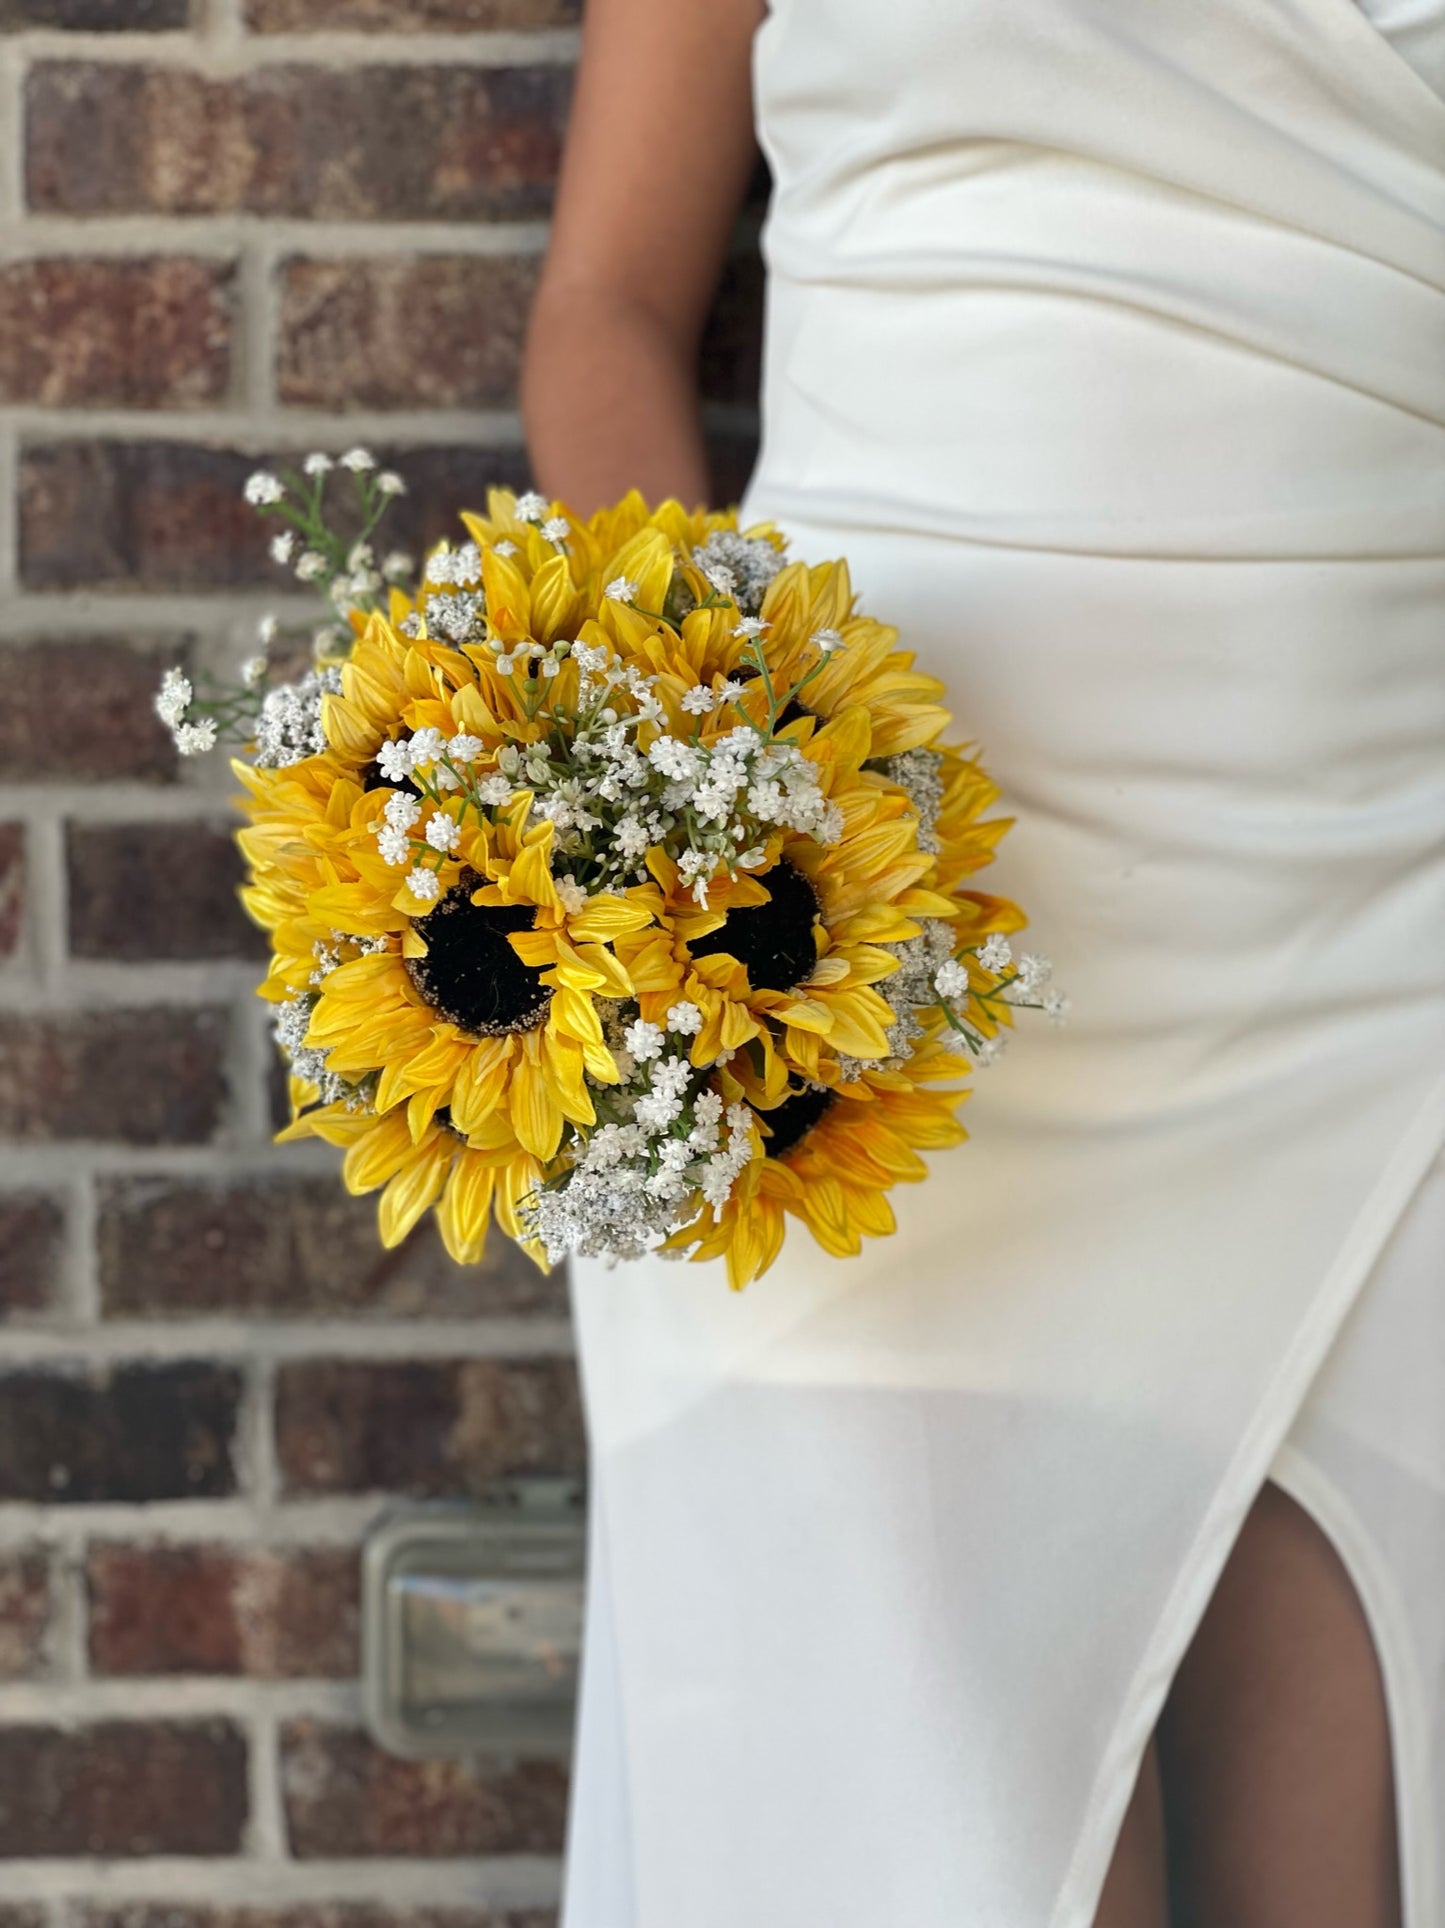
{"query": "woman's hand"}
pixel 659 152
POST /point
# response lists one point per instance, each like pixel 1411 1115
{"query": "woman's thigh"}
pixel 1274 1744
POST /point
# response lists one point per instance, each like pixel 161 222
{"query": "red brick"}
pixel 12 887
pixel 292 1244
pixel 170 516
pixel 314 1914
pixel 269 1614
pixel 125 1435
pixel 80 710
pixel 24 1616
pixel 435 331
pixel 157 890
pixel 32 1233
pixel 447 143
pixel 122 1789
pixel 345 1797
pixel 425 1427
pixel 149 1077
pixel 406 16
pixel 111 333
pixel 95 16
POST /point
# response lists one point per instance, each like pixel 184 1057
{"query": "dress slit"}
pixel 1332 1513
pixel 1263 1453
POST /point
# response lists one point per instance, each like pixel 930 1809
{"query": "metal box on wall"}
pixel 472 1622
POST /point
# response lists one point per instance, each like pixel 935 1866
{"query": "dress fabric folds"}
pixel 1106 339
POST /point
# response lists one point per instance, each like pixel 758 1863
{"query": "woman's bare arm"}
pixel 659 151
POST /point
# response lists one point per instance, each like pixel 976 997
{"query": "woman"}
pixel 1087 1538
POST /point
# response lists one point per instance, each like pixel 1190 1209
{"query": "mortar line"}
pixel 298 1524
pixel 266 1835
pixel 33 1164
pixel 90 986
pixel 262 1346
pixel 69 1625
pixel 83 1263
pixel 12 132
pixel 218 236
pixel 9 500
pixel 221 24
pixel 512 1881
pixel 255 1057
pixel 142 616
pixel 255 374
pixel 289 429
pixel 176 1697
pixel 222 56
pixel 256 1445
pixel 118 802
pixel 46 908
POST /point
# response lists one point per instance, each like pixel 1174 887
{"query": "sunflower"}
pixel 785 960
pixel 830 1158
pixel 485 1000
pixel 838 659
pixel 465 1179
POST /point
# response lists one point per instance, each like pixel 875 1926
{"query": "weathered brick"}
pixel 269 1614
pixel 465 143
pixel 24 1616
pixel 152 515
pixel 441 482
pixel 32 1232
pixel 730 360
pixel 345 1797
pixel 434 331
pixel 311 1914
pixel 95 16
pixel 445 331
pixel 124 1435
pixel 406 16
pixel 148 1077
pixel 293 1244
pixel 12 887
pixel 122 1788
pixel 170 516
pixel 157 890
pixel 80 710
pixel 425 1427
pixel 112 333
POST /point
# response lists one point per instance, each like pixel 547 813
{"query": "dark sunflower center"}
pixel 774 940
pixel 794 1118
pixel 470 973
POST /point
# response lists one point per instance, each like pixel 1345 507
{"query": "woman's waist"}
pixel 1049 416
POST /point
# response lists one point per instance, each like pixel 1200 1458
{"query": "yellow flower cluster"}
pixel 525 967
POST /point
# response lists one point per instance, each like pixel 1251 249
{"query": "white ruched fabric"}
pixel 1106 338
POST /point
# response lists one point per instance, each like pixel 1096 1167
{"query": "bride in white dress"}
pixel 1077 1554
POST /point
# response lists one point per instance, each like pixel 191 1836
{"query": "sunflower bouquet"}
pixel 617 877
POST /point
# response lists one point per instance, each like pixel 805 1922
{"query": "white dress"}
pixel 1106 338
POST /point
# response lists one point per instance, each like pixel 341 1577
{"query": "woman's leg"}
pixel 1274 1744
pixel 1134 1894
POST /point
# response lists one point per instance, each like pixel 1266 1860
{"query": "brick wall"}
pixel 232 229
